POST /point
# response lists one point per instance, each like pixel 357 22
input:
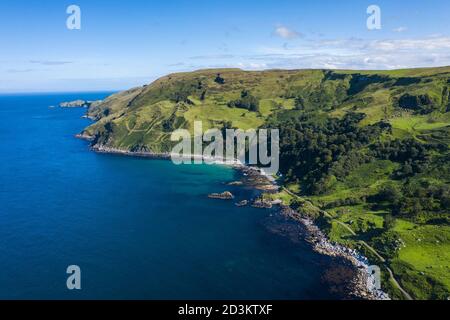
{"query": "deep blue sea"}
pixel 138 228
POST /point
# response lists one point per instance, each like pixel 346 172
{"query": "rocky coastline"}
pixel 363 283
pixel 110 150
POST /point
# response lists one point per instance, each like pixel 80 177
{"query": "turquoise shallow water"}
pixel 138 228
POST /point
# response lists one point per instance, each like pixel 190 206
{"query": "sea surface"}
pixel 137 228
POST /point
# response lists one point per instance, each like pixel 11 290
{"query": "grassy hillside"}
pixel 369 148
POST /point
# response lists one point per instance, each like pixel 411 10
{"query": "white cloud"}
pixel 350 53
pixel 50 62
pixel 286 33
pixel 251 66
pixel 400 29
pixel 412 44
pixel 19 70
pixel 355 53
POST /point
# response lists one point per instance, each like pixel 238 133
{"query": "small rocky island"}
pixel 235 183
pixel 222 196
pixel 242 203
pixel 77 104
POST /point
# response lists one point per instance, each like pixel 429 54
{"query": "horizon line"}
pixel 212 69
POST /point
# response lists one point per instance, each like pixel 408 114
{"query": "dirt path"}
pixel 375 252
pixel 405 294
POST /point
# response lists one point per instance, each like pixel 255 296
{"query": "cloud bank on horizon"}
pixel 355 53
pixel 126 44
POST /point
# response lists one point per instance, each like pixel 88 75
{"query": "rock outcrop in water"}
pixel 262 204
pixel 242 203
pixel 78 104
pixel 222 196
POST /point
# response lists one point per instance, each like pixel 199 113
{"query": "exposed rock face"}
pixel 253 177
pixel 242 203
pixel 236 183
pixel 85 136
pixel 105 149
pixel 74 104
pixel 222 196
pixel 262 204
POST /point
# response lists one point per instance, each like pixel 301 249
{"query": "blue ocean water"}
pixel 138 228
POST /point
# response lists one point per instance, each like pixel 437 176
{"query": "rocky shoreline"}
pixel 362 285
pixel 109 150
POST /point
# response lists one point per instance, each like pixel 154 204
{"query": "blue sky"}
pixel 123 44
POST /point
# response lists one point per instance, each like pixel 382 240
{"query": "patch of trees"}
pixel 219 79
pixel 344 202
pixel 389 222
pixel 421 198
pixel 102 137
pixel 413 155
pixel 318 153
pixel 315 153
pixel 139 147
pixel 359 82
pixel 203 95
pixel 326 96
pixel 331 75
pixel 388 243
pixel 421 103
pixel 415 198
pixel 389 192
pixel 172 123
pixel 446 99
pixel 406 81
pixel 180 91
pixel 348 162
pixel 247 101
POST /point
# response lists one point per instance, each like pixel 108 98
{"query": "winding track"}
pixel 375 252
